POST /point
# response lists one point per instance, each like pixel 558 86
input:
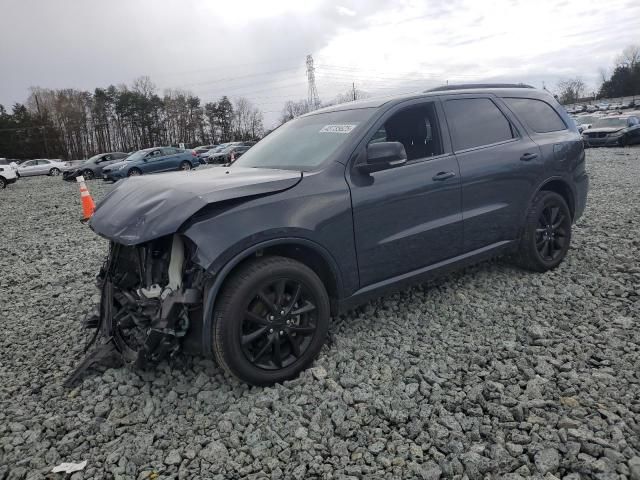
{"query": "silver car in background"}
pixel 42 167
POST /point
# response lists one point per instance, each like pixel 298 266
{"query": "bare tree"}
pixel 293 109
pixel 630 56
pixel 571 90
pixel 247 120
pixel 351 95
pixel 144 86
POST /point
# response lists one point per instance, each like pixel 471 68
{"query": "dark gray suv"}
pixel 248 263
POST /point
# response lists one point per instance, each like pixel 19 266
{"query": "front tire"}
pixel 134 172
pixel 88 175
pixel 547 233
pixel 270 321
pixel 3 183
pixel 54 172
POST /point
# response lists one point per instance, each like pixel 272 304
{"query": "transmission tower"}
pixel 314 101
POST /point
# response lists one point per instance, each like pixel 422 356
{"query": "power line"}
pixel 228 79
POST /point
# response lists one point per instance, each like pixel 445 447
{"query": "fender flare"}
pixel 213 288
pixel 570 185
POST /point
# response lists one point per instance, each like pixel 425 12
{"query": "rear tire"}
pixel 547 233
pixel 271 320
pixel 185 166
pixel 3 183
pixel 54 172
pixel 134 172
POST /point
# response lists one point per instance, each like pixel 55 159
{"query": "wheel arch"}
pixel 305 251
pixel 562 188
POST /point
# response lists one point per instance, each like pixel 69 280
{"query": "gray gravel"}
pixel 489 373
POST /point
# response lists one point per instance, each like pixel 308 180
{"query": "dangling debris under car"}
pixel 147 297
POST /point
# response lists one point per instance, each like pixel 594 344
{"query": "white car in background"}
pixel 42 167
pixel 7 175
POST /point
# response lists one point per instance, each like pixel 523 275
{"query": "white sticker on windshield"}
pixel 344 128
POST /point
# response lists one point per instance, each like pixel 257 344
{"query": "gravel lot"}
pixel 489 373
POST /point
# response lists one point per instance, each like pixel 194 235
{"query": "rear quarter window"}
pixel 537 114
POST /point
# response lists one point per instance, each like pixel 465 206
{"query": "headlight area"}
pixel 151 295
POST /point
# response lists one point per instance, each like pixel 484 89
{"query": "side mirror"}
pixel 383 156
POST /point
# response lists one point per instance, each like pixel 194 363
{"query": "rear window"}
pixel 476 122
pixel 537 114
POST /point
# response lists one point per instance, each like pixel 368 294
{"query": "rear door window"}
pixel 537 114
pixel 476 122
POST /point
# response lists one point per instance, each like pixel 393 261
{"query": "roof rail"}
pixel 469 86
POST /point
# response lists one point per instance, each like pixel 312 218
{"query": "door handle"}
pixel 441 176
pixel 528 156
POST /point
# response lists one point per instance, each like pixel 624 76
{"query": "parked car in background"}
pixel 202 149
pixel 42 167
pixel 7 175
pixel 248 263
pixel 10 163
pixel 210 153
pixel 151 160
pixel 92 168
pixel 619 130
pixel 591 108
pixel 228 154
pixel 584 122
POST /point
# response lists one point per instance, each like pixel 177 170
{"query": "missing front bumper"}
pixel 151 298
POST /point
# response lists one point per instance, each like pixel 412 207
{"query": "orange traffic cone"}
pixel 88 206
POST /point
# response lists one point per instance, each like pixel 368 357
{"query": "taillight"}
pixel 193 153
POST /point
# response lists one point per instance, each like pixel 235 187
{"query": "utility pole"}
pixel 314 101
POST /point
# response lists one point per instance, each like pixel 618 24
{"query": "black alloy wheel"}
pixel 88 175
pixel 270 321
pixel 134 172
pixel 547 233
pixel 551 234
pixel 278 324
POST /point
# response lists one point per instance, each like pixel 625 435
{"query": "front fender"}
pixel 213 288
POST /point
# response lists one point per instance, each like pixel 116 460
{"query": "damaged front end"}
pixel 151 298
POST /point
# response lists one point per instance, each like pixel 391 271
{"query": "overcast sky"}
pixel 257 49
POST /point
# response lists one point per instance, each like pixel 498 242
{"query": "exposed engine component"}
pixel 149 294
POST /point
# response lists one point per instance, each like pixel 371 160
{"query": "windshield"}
pixel 610 122
pixel 139 155
pixel 306 142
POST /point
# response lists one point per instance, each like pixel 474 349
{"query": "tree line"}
pixel 75 124
pixel 624 80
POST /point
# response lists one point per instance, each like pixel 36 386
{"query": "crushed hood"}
pixel 142 208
